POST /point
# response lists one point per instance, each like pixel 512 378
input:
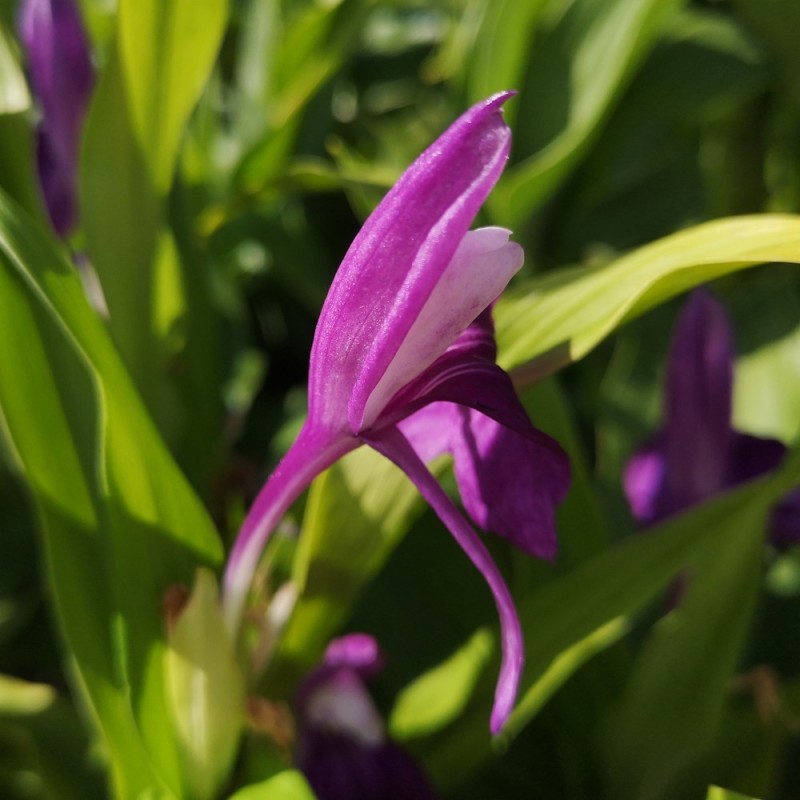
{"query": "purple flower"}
pixel 61 76
pixel 697 454
pixel 404 360
pixel 342 746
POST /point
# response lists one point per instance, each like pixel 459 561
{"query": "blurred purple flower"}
pixel 404 360
pixel 697 454
pixel 342 745
pixel 61 75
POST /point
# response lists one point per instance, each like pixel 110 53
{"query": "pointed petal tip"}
pixel 499 98
pixel 500 714
pixel 492 104
pixel 505 694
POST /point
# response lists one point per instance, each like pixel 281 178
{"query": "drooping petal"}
pixel 479 271
pixel 391 443
pixel 509 483
pixel 397 260
pixel 697 423
pixel 510 475
pixel 62 78
pixel 313 451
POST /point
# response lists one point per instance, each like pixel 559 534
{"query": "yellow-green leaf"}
pixel 558 318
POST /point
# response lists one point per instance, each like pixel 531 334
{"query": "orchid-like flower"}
pixel 403 360
pixel 697 454
pixel 342 745
pixel 61 75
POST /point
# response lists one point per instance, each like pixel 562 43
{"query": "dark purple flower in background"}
pixel 403 360
pixel 697 454
pixel 61 76
pixel 342 745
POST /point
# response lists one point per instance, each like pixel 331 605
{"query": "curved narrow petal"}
pixel 313 451
pixel 392 444
pixel 480 269
pixel 398 258
pixel 510 483
pixel 510 475
pixel 697 423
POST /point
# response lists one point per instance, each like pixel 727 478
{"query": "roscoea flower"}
pixel 61 75
pixel 403 360
pixel 342 745
pixel 697 453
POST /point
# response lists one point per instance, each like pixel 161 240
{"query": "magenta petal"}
pixel 643 482
pixel 697 423
pixel 391 443
pixel 342 746
pixel 509 483
pixel 62 78
pixel 313 451
pixel 698 454
pixel 357 651
pixel 481 268
pixel 397 260
pixel 510 475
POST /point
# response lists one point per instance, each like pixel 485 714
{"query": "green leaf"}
pixel 288 785
pixel 120 524
pixel 773 24
pixel 285 61
pixel 20 698
pixel 767 376
pixel 18 177
pixel 571 618
pixel 206 692
pixel 121 216
pixel 556 319
pixel 502 46
pixel 673 703
pixel 43 745
pixel 16 140
pixel 442 693
pixel 167 51
pixel 584 54
pixel 14 95
pixel 718 793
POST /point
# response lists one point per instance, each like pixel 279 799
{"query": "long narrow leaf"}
pixel 120 523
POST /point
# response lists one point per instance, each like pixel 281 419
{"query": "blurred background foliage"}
pixel 634 119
